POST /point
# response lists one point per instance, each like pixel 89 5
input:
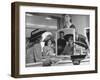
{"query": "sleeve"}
pixel 44 51
pixel 37 53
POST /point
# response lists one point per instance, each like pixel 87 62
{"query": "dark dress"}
pixel 68 50
pixel 61 45
pixel 72 26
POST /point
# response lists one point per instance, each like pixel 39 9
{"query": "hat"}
pixel 46 36
pixel 36 34
pixel 67 36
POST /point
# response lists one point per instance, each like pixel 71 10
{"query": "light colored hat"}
pixel 45 35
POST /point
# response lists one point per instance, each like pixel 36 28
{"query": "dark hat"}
pixel 81 41
pixel 67 36
pixel 35 35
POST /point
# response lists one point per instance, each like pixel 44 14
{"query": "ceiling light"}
pixel 48 18
pixel 29 14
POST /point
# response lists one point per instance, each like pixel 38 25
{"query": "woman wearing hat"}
pixel 49 48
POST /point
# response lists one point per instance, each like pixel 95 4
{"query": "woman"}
pixel 69 48
pixel 49 48
pixel 49 53
pixel 68 22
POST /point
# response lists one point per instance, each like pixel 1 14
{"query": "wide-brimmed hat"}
pixel 46 36
pixel 67 36
pixel 49 37
pixel 36 34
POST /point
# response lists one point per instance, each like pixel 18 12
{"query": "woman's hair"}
pixel 64 15
pixel 46 42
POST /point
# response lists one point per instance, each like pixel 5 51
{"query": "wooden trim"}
pixel 55 5
pixel 15 40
